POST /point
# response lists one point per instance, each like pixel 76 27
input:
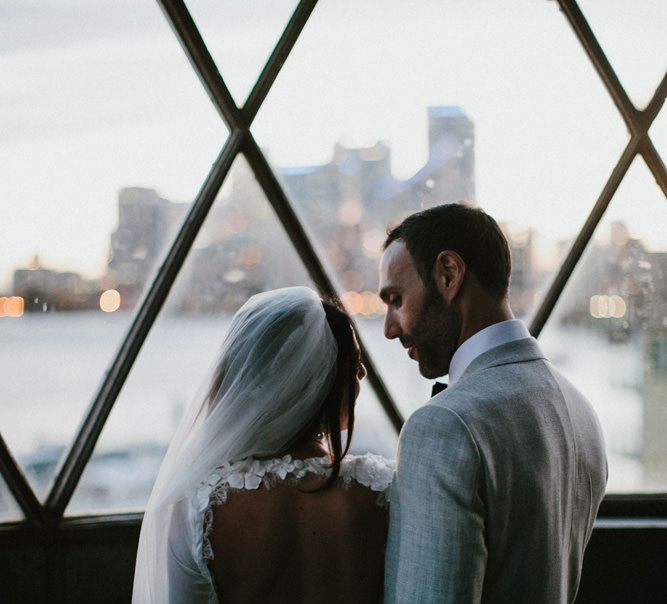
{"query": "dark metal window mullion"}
pixel 655 104
pixel 654 163
pixel 84 443
pixel 277 59
pixel 299 238
pixel 209 75
pixel 630 115
pixel 600 63
pixel 19 486
pixel 204 66
pixel 647 149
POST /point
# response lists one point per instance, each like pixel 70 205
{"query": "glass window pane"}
pixel 388 107
pixel 104 125
pixel 9 509
pixel 632 35
pixel 408 388
pixel 608 332
pixel 241 250
pixel 372 429
pixel 241 36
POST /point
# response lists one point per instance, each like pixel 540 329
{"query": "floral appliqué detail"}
pixel 372 471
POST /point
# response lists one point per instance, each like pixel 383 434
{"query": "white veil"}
pixel 275 368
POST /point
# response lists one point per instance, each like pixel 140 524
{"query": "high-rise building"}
pixel 145 222
pixel 449 173
pixel 451 153
pixel 356 193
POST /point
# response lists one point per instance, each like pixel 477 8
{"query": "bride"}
pixel 257 499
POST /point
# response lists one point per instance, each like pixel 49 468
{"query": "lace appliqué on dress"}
pixel 372 471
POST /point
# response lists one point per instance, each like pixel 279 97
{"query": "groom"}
pixel 500 476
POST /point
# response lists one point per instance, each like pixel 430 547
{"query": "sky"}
pixel 97 96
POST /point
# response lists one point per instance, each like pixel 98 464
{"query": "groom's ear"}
pixel 449 273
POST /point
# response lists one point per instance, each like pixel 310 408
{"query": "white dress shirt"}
pixel 486 339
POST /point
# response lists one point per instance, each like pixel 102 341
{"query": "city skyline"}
pixel 111 101
pixel 345 204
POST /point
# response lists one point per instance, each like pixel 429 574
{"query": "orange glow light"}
pixel 595 313
pixel 110 301
pixel 606 307
pixel 618 306
pixel 365 303
pixel 372 305
pixel 350 212
pixel 353 302
pixel 14 306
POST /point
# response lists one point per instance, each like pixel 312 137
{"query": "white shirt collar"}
pixel 486 339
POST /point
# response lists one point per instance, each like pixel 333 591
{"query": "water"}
pixel 51 365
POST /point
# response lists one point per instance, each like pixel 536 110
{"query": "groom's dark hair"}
pixel 468 231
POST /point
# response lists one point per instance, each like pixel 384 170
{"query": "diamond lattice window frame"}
pixel 49 516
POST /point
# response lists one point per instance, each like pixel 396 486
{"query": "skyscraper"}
pixel 451 148
pixel 145 221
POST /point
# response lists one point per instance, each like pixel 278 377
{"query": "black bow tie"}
pixel 438 387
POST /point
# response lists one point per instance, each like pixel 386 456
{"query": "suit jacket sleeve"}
pixel 436 550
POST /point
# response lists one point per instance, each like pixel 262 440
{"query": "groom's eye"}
pixel 394 301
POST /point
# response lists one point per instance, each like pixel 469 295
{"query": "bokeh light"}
pixel 110 300
pixel 12 306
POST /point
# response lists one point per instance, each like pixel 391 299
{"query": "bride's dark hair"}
pixel 340 400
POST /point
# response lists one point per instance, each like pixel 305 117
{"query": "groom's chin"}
pixel 431 373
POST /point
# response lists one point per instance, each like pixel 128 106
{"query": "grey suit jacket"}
pixel 498 482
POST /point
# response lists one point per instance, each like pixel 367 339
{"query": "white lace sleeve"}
pixel 372 471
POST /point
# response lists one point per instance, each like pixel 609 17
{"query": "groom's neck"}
pixel 481 313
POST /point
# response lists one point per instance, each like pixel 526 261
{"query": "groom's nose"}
pixel 391 326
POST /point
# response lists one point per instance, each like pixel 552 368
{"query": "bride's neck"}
pixel 314 447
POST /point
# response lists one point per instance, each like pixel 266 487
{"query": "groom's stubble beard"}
pixel 436 334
